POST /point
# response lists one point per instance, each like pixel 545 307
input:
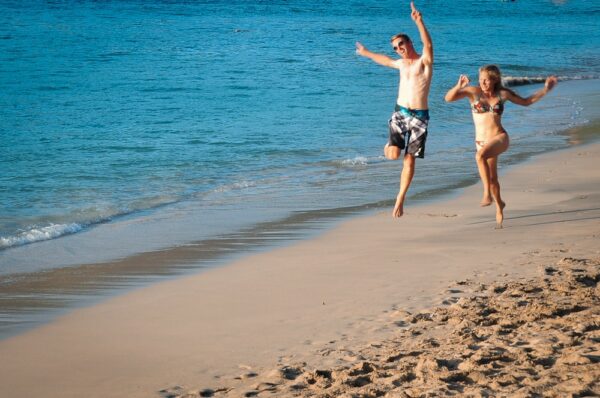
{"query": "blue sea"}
pixel 130 127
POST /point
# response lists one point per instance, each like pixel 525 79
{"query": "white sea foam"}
pixel 357 161
pixel 510 81
pixel 36 234
pixel 235 186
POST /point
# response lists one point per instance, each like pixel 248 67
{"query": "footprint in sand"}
pixel 548 343
pixel 445 215
pixel 450 301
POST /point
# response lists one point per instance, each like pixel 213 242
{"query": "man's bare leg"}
pixel 391 152
pixel 408 171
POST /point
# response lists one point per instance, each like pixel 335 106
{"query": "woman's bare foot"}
pixel 500 214
pixel 486 201
pixel 398 208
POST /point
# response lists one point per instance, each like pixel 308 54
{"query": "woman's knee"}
pixel 480 156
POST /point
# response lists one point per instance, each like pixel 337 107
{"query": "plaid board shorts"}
pixel 408 129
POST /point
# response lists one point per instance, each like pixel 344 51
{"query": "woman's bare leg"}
pixel 486 200
pixel 487 164
pixel 484 174
pixel 495 190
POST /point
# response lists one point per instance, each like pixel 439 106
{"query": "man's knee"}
pixel 391 152
pixel 409 160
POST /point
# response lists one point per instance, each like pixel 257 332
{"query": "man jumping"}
pixel 408 125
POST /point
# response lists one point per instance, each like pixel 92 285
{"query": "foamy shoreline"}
pixel 130 232
pixel 232 326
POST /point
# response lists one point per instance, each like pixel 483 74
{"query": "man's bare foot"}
pixel 398 208
pixel 500 214
pixel 486 201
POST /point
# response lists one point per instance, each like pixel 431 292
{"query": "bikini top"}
pixel 480 107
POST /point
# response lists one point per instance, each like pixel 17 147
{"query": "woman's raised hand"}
pixel 550 83
pixel 463 81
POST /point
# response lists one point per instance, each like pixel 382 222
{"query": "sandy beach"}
pixel 438 303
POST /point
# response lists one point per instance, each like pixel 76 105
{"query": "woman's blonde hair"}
pixel 494 72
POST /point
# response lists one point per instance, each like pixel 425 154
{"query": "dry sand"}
pixel 437 303
pixel 530 338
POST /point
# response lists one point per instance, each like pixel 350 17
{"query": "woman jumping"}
pixel 487 104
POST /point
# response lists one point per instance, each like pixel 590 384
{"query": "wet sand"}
pixel 436 302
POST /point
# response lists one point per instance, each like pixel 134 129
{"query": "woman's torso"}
pixel 487 115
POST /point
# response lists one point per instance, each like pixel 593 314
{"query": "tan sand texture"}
pixel 330 316
pixel 527 338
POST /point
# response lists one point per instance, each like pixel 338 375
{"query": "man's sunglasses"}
pixel 397 46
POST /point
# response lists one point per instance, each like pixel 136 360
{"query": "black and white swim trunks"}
pixel 408 129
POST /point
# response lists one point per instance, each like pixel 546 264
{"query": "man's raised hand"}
pixel 360 48
pixel 415 14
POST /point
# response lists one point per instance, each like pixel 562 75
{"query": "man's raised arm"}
pixel 379 58
pixel 425 38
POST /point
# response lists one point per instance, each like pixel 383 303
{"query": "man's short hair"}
pixel 400 35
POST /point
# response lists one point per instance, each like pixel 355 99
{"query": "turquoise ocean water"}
pixel 131 126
